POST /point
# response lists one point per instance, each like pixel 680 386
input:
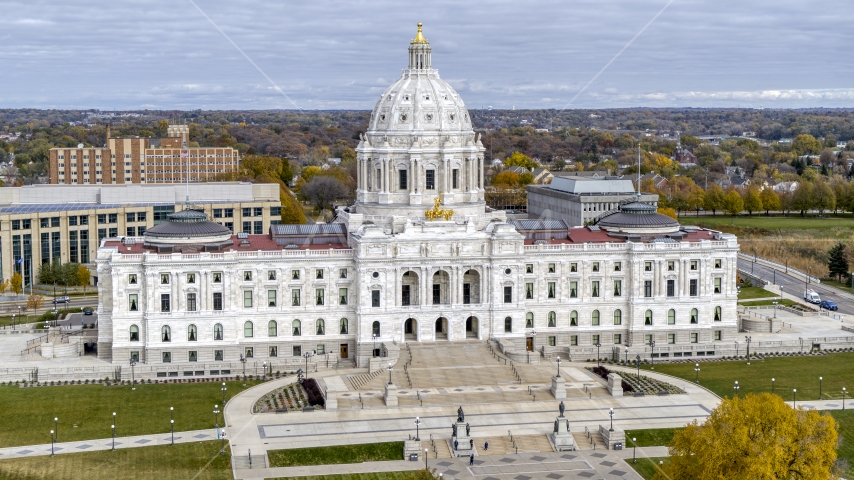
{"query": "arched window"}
pixel 671 317
pixel 693 315
pixel 717 314
pixel 552 319
pixel 573 318
pixel 343 322
pixel 647 317
pixel 166 333
pixel 191 333
pixel 218 331
pixel 134 333
pixel 297 328
pixel 248 330
pixel 595 317
pixel 376 328
pixel 272 329
pixel 529 320
pixel 321 326
pixel 508 324
pixel 618 317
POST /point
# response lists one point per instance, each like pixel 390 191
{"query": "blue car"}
pixel 828 305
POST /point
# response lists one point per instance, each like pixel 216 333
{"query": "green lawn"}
pixel 799 373
pixel 779 222
pixel 842 286
pixel 367 452
pixel 646 467
pixel 651 437
pixel 846 433
pixel 413 475
pixel 183 461
pixel 746 293
pixel 27 414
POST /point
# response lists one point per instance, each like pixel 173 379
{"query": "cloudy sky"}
pixel 165 54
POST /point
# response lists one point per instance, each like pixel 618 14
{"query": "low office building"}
pixel 580 201
pixel 66 223
pixel 141 160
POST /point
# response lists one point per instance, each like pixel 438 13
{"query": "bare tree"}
pixel 322 191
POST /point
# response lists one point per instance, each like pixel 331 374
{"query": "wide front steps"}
pixel 589 441
pixel 436 448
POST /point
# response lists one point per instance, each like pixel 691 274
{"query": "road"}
pixel 795 285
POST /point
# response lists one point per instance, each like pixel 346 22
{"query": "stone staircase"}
pixel 589 441
pixel 436 448
pixel 359 381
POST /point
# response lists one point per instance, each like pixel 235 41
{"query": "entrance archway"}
pixel 441 328
pixel 471 287
pixel 409 288
pixel 410 329
pixel 439 294
pixel 472 327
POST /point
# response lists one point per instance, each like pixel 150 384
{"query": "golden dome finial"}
pixel 419 38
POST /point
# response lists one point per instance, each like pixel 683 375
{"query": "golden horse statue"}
pixel 438 212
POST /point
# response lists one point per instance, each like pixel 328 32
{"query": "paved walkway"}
pixel 107 444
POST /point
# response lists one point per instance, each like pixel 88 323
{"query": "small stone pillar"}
pixel 47 350
pixel 374 364
pixel 461 442
pixel 412 447
pixel 331 400
pixel 558 388
pixel 615 385
pixel 390 395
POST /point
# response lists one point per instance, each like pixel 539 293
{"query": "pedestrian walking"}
pixel 456 445
pixel 485 446
pixel 471 459
pixel 471 443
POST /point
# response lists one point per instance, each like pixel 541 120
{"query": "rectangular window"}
pixel 247 299
pixel 529 268
pixel 595 340
pixel 275 211
pixel 271 275
pixel 573 289
pixel 618 288
pixel 692 287
pixel 694 337
pixel 191 278
pixel 217 301
pixel 193 356
pixel 342 296
pixel 247 211
pixel 573 267
pixel 508 324
pixel 133 304
pixel 54 221
pixel 247 276
pixel 647 266
pixel 466 293
pixel 295 297
pixel 295 274
pixel 44 222
pixel 217 277
pixel 271 298
pixel 258 228
pixel 694 264
pixel 297 350
pixel 508 294
pixel 84 220
pixel 319 296
pixel 114 232
pixel 250 352
pixel 318 274
pixel 551 289
pixel 131 231
pixel 274 352
pixel 671 266
pixel 552 268
pixel 552 341
pixel 647 288
pixel 529 291
pixel 671 288
pixel 618 266
pixel 718 263
pixel 647 339
pixel 102 234
pixel 258 211
pixel 167 358
pixel 671 338
pixel 247 227
pixel 164 302
pixel 218 355
pixel 595 266
pixel 573 340
pixel 430 180
pixel 217 213
pixel 72 246
pixel 134 356
pixel 343 273
pixel 375 298
pixel 455 178
pixel 72 220
pixel 618 339
pixel 718 285
pixel 595 288
pixel 164 279
pixel 132 279
pixel 191 302
pixel 402 183
pixel 130 217
pixel 102 218
pixel 437 294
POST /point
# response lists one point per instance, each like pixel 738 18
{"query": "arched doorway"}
pixel 441 328
pixel 440 292
pixel 410 329
pixel 472 327
pixel 471 287
pixel 409 289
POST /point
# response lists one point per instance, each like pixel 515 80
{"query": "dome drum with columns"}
pixel 420 145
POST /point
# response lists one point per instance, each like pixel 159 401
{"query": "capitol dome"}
pixel 419 146
pixel 187 228
pixel 638 218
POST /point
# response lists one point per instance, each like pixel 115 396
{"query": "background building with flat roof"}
pixel 66 223
pixel 579 201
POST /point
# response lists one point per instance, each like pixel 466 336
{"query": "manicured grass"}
pixel 786 302
pixel 367 452
pixel 794 221
pixel 799 373
pixel 200 461
pixel 651 437
pixel 846 433
pixel 846 287
pixel 413 475
pixel 27 414
pixel 746 293
pixel 646 467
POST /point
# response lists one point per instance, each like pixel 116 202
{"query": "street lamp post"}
pixel 172 430
pixel 114 436
pixel 558 367
pixel 748 339
pixel 223 392
pixel 374 349
pixel 635 452
pixel 652 354
pixel 819 388
pixel 627 356
pixel 843 398
pixel 307 355
pixel 132 375
pixel 243 361
pixel 736 388
pixel 417 425
pixel 597 353
pixel 52 440
pixel 114 419
pixel 389 373
pixel 697 370
pixel 265 369
pixel 56 427
pixel 794 397
pixel 772 386
pixel 775 308
pixel 425 459
pixel 637 363
pixel 611 414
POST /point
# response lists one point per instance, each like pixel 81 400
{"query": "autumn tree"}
pixel 519 159
pixel 758 437
pixel 733 204
pixel 806 144
pixel 510 179
pixel 752 202
pixel 35 302
pixel 292 212
pixel 669 212
pixel 770 200
pixel 83 275
pixel 4 286
pixel 17 283
pixel 714 198
pixel 823 197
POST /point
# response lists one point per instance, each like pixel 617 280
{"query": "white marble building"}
pixel 383 274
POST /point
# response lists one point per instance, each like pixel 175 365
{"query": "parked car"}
pixel 828 305
pixel 87 311
pixel 62 299
pixel 812 297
